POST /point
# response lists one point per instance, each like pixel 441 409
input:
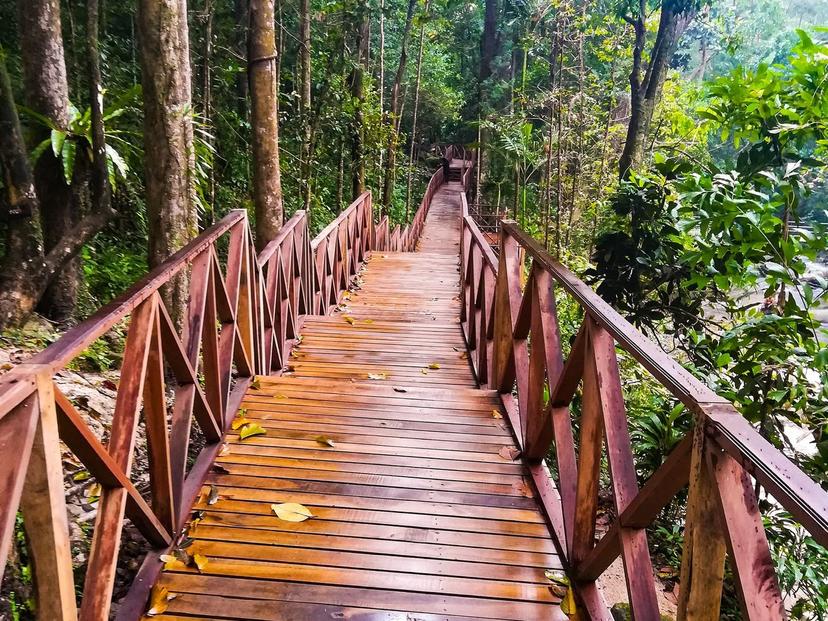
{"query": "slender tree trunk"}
pixel 168 136
pixel 416 109
pixel 207 100
pixel 261 67
pixel 358 94
pixel 645 91
pixel 381 84
pixel 101 191
pixel 242 19
pixel 305 101
pixel 395 112
pixel 47 92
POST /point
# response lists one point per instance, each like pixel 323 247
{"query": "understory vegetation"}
pixel 673 153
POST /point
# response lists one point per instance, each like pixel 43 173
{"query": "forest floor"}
pixel 92 392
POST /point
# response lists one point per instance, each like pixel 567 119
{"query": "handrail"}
pixel 241 319
pixel 501 317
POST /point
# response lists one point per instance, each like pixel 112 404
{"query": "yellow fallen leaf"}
pixel 346 295
pixel 255 384
pixel 367 321
pixel 377 376
pixel 93 491
pixel 464 356
pixel 171 562
pixel 325 441
pixel 496 414
pixel 349 319
pixel 291 512
pixel 434 365
pixel 239 422
pixel 251 429
pixel 81 476
pixel 200 561
pixel 158 601
pixel 280 396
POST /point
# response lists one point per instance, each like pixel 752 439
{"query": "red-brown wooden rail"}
pixel 514 339
pixel 242 318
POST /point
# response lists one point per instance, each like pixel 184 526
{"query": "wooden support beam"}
pixel 43 505
pixel 702 561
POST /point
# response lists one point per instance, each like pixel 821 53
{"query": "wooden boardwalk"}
pixel 418 511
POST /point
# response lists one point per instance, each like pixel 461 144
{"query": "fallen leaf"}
pixel 377 376
pixel 255 384
pixel 171 562
pixel 464 356
pixel 424 371
pixel 158 601
pixel 200 561
pixel 346 295
pixel 213 496
pixel 497 414
pixel 291 512
pixel 325 441
pixel 509 452
pixel 280 396
pixel 220 469
pixel 109 385
pixel 240 422
pixel 367 321
pixel 224 450
pixel 398 389
pixel 81 476
pixel 251 429
pixel 434 365
pixel 93 492
pixel 349 319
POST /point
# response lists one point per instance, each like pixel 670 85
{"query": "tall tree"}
pixel 262 68
pixel 47 93
pixel 416 110
pixel 645 90
pixel 358 94
pixel 394 112
pixel 168 135
pixel 305 101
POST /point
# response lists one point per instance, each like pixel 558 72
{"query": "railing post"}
pixel 703 557
pixel 43 504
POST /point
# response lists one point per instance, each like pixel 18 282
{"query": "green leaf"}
pixel 58 137
pixel 250 430
pixel 68 160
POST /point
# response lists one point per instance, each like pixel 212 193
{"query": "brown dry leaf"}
pixel 213 496
pixel 291 512
pixel 424 371
pixel 159 599
pixel 346 295
pixel 325 441
pixel 251 429
pixel 224 450
pixel 93 492
pixel 509 452
pixel 434 365
pixel 398 389
pixel 349 319
pixel 497 414
pixel 240 421
pixel 464 356
pixel 377 376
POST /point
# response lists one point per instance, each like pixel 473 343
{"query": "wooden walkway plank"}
pixel 378 427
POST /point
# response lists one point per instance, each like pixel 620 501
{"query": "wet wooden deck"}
pixel 417 512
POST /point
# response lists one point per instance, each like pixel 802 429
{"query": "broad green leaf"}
pixel 251 429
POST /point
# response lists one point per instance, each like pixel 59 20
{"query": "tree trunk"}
pixel 168 136
pixel 645 91
pixel 358 94
pixel 394 112
pixel 414 116
pixel 264 89
pixel 305 102
pixel 241 18
pixel 207 103
pixel 47 93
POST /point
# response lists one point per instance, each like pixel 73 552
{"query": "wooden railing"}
pixel 509 318
pixel 242 317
